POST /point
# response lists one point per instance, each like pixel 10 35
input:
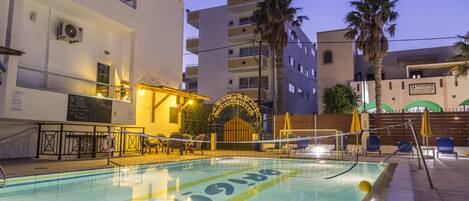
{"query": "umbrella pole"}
pixel 419 149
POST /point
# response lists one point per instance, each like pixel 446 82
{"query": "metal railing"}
pixel 30 77
pixel 87 141
pixel 3 177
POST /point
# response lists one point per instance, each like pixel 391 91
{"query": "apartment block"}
pixel 235 69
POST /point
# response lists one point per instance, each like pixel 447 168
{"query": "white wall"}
pixel 448 97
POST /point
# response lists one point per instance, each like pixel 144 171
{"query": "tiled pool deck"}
pixel 450 177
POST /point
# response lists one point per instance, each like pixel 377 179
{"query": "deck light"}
pixel 141 92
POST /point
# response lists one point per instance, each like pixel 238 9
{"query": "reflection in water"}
pixel 202 180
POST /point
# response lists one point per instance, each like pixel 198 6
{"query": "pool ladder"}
pixel 3 177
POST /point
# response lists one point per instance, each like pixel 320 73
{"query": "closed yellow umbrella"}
pixel 356 125
pixel 426 130
pixel 287 126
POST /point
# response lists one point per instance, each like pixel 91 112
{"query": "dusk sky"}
pixel 417 19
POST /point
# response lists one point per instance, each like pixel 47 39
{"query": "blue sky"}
pixel 417 19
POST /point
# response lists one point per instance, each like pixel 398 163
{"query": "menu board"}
pixel 89 109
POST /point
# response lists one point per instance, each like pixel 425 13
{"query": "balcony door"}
pixel 102 79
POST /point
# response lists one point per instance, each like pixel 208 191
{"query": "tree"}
pixel 195 119
pixel 340 99
pixel 369 23
pixel 463 47
pixel 270 19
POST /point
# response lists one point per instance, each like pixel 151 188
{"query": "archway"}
pixel 464 106
pixel 236 117
pixel 371 107
pixel 421 105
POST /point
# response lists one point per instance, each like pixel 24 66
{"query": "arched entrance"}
pixel 236 117
pixel 464 106
pixel 421 105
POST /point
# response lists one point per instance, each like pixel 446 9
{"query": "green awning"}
pixel 432 106
pixel 372 105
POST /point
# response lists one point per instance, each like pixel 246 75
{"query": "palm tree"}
pixel 270 19
pixel 369 24
pixel 463 47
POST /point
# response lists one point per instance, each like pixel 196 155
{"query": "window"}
pixel 246 20
pixel 300 68
pixel 416 74
pixel 327 57
pixel 300 92
pixel 230 51
pixel 253 82
pixel 102 77
pixel 192 85
pixel 291 61
pixel 131 3
pixel 300 44
pixel 230 23
pixel 230 81
pixel 307 73
pixel 291 88
pixel 314 91
pixel 243 83
pixel 173 115
pixel 313 73
pixel 306 51
pixel 441 83
pixel 390 85
pixel 252 51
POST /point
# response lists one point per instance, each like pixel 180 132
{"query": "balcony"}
pixel 192 45
pixel 241 33
pixel 252 93
pixel 193 19
pixel 38 79
pixel 247 63
pixel 242 5
pixel 192 71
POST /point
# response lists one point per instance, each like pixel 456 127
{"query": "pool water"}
pixel 210 179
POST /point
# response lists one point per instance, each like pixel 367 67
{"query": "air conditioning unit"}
pixel 70 32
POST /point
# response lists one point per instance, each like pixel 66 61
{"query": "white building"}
pixel 234 69
pixel 85 52
pixel 412 79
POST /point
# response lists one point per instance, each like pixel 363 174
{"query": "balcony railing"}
pixel 192 45
pixel 247 63
pixel 193 19
pixel 34 78
pixel 242 5
pixel 250 92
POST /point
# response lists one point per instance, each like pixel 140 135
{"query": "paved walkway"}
pixel 450 179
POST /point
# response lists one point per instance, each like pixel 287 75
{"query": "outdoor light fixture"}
pixel 191 102
pixel 141 92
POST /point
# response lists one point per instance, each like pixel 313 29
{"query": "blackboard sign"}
pixel 88 109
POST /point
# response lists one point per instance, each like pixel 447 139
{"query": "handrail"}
pixel 4 177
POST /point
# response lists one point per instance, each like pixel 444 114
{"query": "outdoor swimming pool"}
pixel 201 180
